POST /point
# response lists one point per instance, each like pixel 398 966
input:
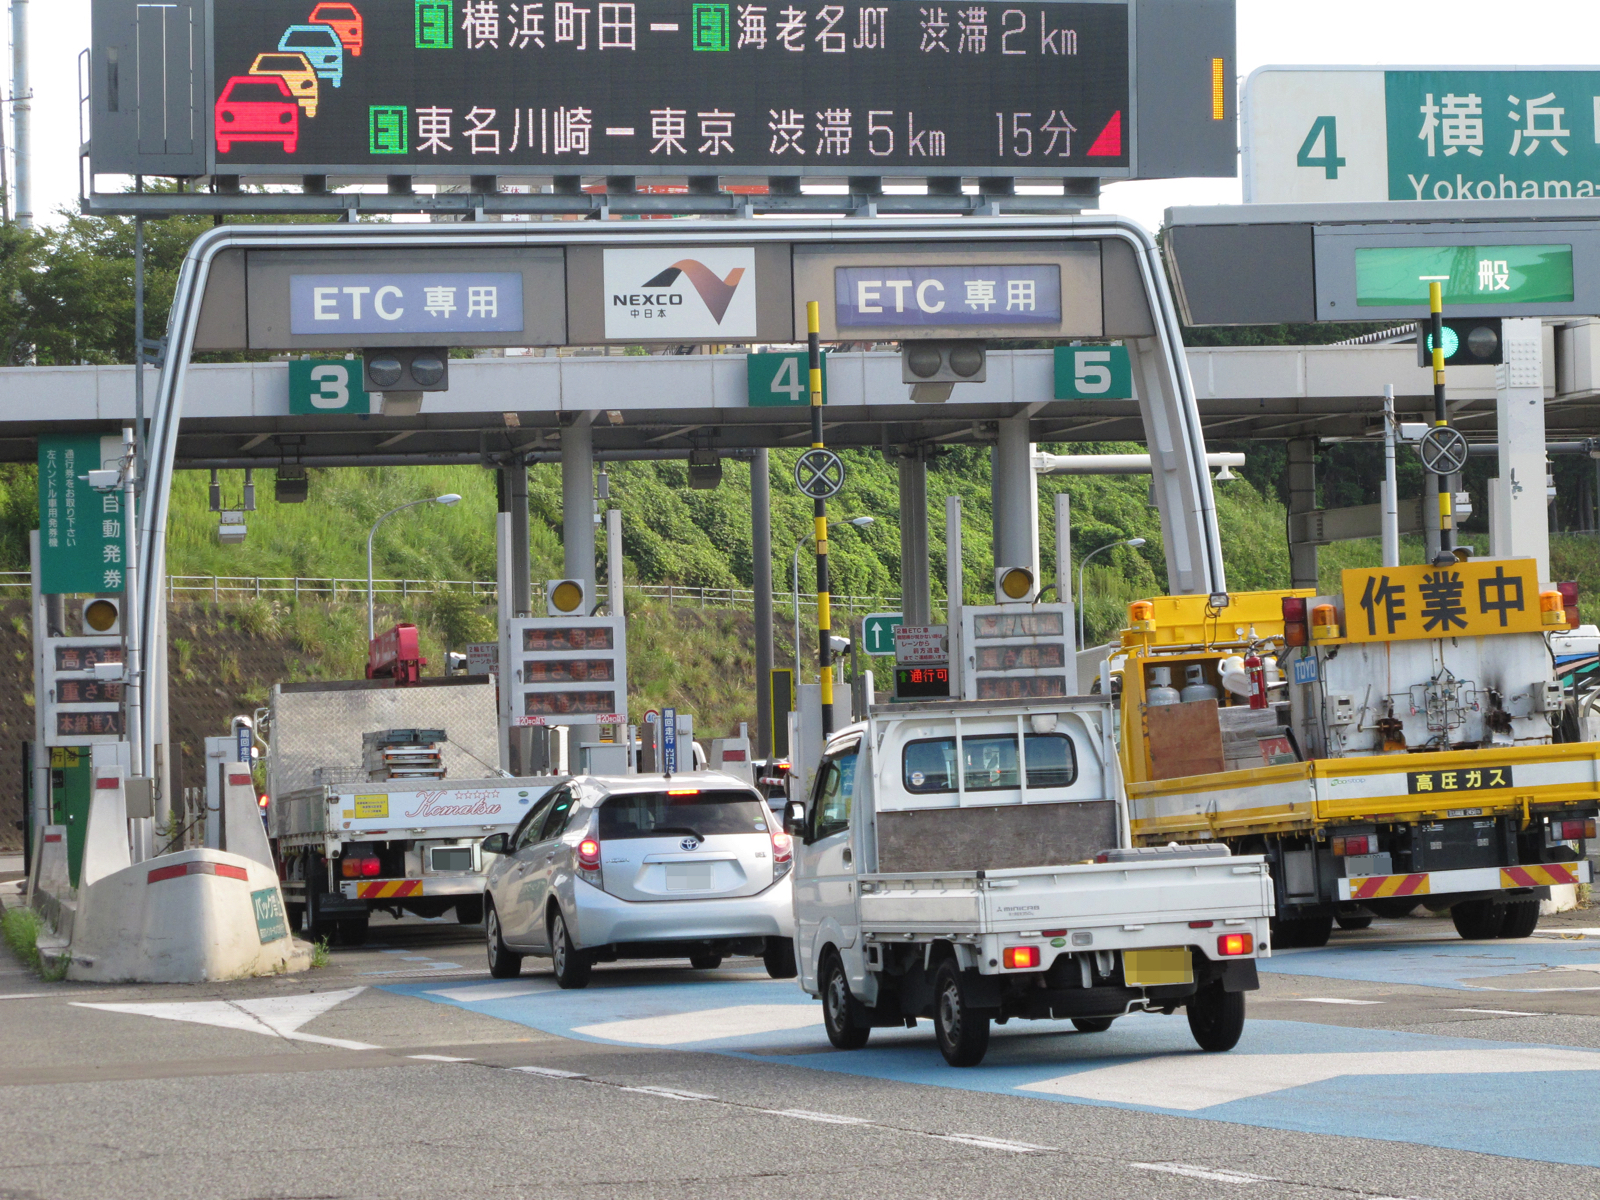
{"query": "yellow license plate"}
pixel 1158 967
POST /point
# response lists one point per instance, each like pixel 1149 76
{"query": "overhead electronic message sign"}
pixel 450 88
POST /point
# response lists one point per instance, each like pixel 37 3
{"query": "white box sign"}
pixel 692 294
pixel 917 645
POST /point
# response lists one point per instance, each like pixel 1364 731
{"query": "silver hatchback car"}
pixel 641 866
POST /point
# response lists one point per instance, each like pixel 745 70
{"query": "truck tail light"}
pixel 1569 600
pixel 1295 632
pixel 1020 957
pixel 1353 845
pixel 588 855
pixel 1575 831
pixel 369 867
pixel 1231 945
pixel 359 866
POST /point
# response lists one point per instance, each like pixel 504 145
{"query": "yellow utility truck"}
pixel 1407 742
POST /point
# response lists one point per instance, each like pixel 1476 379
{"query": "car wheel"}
pixel 1391 908
pixel 779 958
pixel 503 964
pixel 1216 1017
pixel 1478 920
pixel 963 1033
pixel 571 964
pixel 1353 920
pixel 1092 1024
pixel 841 1012
pixel 705 962
pixel 1521 919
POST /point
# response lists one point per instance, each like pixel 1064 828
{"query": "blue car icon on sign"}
pixel 321 45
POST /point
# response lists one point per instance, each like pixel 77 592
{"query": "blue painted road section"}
pixel 1444 963
pixel 1459 1093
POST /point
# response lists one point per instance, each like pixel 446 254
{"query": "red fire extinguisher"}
pixel 1257 671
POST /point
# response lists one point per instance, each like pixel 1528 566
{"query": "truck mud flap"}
pixel 1239 976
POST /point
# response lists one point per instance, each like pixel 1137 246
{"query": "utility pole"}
pixel 1391 490
pixel 1441 415
pixel 21 111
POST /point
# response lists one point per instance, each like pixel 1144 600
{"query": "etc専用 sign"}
pixel 1469 599
pixel 942 296
pixel 422 303
pixel 1336 134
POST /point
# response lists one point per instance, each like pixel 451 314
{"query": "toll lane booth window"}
pixel 988 763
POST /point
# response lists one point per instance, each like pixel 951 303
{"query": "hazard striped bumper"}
pixel 1478 879
pixel 383 889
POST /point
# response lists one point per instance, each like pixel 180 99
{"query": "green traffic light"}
pixel 1452 342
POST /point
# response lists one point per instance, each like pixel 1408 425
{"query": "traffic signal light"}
pixel 407 369
pixel 566 597
pixel 1468 341
pixel 943 362
pixel 1013 585
pixel 102 616
pixel 705 469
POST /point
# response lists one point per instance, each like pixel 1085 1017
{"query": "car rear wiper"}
pixel 665 830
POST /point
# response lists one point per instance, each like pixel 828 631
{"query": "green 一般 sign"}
pixel 1093 373
pixel 327 385
pixel 1387 276
pixel 782 380
pixel 82 535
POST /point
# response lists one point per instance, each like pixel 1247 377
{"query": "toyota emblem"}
pixel 690 843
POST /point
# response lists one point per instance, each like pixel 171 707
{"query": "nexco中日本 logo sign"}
pixel 672 293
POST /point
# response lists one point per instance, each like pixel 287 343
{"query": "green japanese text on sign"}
pixel 1093 373
pixel 271 925
pixel 782 380
pixel 1393 275
pixel 82 537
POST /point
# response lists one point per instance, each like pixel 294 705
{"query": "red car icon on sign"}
pixel 346 22
pixel 257 108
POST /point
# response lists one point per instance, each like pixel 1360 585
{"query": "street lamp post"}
pixel 1132 543
pixel 447 499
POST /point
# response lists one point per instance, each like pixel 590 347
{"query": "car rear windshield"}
pixel 683 813
pixel 313 39
pixel 990 763
pixel 256 93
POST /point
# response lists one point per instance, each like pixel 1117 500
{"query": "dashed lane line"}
pixel 1328 1000
pixel 1502 1012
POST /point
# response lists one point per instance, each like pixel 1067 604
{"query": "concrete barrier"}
pixel 188 917
pixel 243 831
pixel 50 885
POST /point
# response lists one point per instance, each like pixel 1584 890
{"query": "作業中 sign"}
pixel 1469 599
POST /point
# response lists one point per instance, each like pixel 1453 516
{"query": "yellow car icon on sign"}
pixel 296 71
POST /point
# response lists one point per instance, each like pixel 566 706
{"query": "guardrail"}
pixel 232 587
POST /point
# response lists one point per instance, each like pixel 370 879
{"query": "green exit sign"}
pixel 1093 373
pixel 327 385
pixel 1389 276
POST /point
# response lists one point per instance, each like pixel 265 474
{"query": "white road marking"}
pixel 273 1016
pixel 1500 1012
pixel 989 1143
pixel 669 1093
pixel 709 1025
pixel 1215 1174
pixel 491 991
pixel 1330 1000
pixel 25 995
pixel 1188 1082
pixel 440 1058
pixel 801 1114
pixel 549 1071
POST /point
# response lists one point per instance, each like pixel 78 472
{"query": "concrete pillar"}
pixel 577 498
pixel 520 568
pixel 1521 505
pixel 1430 516
pixel 1302 499
pixel 954 576
pixel 761 556
pixel 516 599
pixel 1014 490
pixel 914 587
pixel 1063 548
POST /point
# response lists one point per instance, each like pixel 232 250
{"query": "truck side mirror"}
pixel 495 843
pixel 794 818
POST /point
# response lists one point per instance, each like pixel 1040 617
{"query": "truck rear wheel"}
pixel 503 964
pixel 1356 920
pixel 1521 919
pixel 1479 920
pixel 963 1033
pixel 1091 1024
pixel 841 1011
pixel 1216 1017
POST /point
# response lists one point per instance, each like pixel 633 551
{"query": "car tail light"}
pixel 1295 632
pixel 262 802
pixel 1020 957
pixel 683 791
pixel 1231 945
pixel 782 846
pixel 588 855
pixel 1353 845
pixel 1569 600
pixel 1575 831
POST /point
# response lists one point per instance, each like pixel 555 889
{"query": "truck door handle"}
pixel 846 856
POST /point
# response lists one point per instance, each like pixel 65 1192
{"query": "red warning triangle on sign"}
pixel 1109 143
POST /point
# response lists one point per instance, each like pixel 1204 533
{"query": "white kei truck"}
pixel 349 845
pixel 970 862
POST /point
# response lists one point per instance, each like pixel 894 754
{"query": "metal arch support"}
pixel 1166 394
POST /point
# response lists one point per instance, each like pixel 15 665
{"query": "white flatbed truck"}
pixel 1008 888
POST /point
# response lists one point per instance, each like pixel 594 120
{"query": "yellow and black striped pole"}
pixel 1441 415
pixel 820 517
